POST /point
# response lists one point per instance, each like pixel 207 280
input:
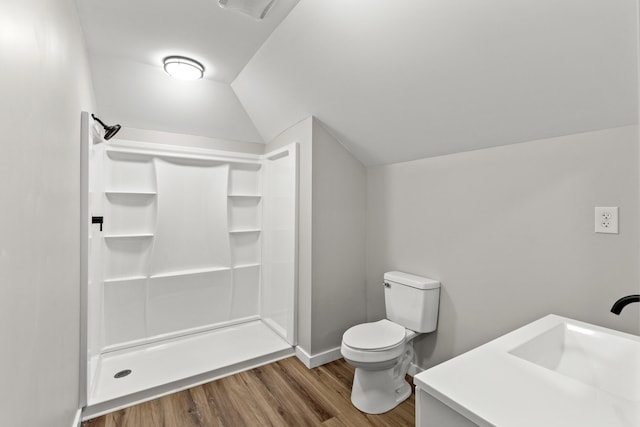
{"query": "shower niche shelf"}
pixel 128 236
pixel 124 279
pixel 189 272
pixel 250 265
pixel 245 196
pixel 245 180
pixel 193 157
pixel 130 193
pixel 245 248
pixel 126 255
pixel 245 204
pixel 244 212
pixel 129 212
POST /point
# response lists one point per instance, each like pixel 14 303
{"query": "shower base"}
pixel 165 367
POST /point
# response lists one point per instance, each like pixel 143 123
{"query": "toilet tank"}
pixel 412 301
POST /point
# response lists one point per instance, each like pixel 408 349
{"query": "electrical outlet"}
pixel 606 220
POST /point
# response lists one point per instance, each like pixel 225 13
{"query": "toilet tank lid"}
pixel 418 282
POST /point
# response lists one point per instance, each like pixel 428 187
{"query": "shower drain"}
pixel 122 374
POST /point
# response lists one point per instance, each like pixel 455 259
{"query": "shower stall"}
pixel 189 265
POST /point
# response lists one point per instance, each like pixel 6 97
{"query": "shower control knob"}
pixel 97 220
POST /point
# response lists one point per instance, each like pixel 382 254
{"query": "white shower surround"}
pixel 193 241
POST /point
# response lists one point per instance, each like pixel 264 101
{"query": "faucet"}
pixel 622 302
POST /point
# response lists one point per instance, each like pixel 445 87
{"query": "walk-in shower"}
pixel 193 274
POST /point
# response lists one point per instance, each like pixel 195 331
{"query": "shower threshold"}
pixel 166 367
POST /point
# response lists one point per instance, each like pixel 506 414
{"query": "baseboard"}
pixel 303 356
pixel 334 354
pixel 414 370
pixel 77 419
pixel 318 359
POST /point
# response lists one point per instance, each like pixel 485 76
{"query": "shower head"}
pixel 109 131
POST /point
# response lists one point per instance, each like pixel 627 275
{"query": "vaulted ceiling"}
pixel 393 80
pixel 127 40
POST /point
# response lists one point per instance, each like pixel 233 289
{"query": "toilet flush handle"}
pixel 387 285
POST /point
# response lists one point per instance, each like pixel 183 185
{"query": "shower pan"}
pixel 190 273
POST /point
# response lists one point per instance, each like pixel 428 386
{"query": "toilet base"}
pixel 376 392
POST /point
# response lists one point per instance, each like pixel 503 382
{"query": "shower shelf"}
pixel 190 271
pixel 249 265
pixel 136 154
pixel 248 230
pixel 247 196
pixel 128 236
pixel 130 193
pixel 125 279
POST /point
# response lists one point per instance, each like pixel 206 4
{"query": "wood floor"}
pixel 283 393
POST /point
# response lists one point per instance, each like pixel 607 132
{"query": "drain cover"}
pixel 122 374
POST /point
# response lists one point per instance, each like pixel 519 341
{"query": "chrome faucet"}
pixel 622 302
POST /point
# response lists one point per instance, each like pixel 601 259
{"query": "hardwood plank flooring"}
pixel 283 393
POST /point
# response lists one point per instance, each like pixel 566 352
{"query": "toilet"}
pixel 382 351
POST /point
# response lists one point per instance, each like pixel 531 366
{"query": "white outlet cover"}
pixel 606 220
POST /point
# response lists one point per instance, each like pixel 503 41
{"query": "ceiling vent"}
pixel 257 9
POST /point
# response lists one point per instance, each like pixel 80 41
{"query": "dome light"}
pixel 183 68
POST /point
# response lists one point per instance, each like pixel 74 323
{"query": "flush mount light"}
pixel 183 68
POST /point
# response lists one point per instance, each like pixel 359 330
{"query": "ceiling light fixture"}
pixel 183 68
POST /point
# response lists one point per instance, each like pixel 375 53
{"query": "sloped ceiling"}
pixel 143 96
pixel 127 40
pixel 393 80
pixel 406 79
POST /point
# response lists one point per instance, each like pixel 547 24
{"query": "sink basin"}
pixel 590 355
pixel 555 371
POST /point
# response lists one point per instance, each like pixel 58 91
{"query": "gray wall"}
pixel 331 262
pixel 339 209
pixel 509 231
pixel 45 84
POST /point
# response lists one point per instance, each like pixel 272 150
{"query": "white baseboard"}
pixel 318 359
pixel 77 419
pixel 334 354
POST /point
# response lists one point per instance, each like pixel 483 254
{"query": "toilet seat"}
pixel 374 336
pixel 374 342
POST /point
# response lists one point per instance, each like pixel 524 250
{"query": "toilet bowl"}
pixel 382 351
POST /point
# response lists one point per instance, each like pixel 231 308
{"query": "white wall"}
pixel 509 231
pixel 45 84
pixel 331 230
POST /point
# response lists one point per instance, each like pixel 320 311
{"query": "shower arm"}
pixel 98 120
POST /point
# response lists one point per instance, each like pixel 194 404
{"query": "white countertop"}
pixel 492 387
